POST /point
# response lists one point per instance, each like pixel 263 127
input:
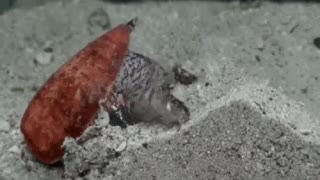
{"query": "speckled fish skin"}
pixel 146 84
pixel 68 102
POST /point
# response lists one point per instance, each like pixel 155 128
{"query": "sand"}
pixel 254 109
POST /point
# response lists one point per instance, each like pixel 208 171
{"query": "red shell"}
pixel 68 102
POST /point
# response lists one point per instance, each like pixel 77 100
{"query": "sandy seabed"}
pixel 254 110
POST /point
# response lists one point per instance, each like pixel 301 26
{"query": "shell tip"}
pixel 132 23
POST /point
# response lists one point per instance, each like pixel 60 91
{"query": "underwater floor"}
pixel 254 109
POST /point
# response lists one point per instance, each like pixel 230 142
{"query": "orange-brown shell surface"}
pixel 69 101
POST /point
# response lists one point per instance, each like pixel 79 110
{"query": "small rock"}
pixel 99 18
pixel 316 42
pixel 14 149
pixel 44 58
pixel 48 50
pixel 4 126
pixel 17 89
pixel 260 44
pixel 122 146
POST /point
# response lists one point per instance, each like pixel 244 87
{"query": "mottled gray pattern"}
pixel 139 77
pixel 146 84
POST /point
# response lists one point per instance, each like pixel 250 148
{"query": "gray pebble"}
pixel 99 18
pixel 44 58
